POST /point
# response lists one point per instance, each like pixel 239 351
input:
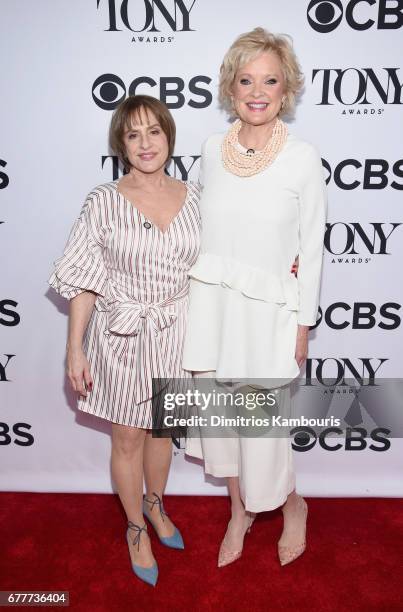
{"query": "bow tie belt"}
pixel 128 318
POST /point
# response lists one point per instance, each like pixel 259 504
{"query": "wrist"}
pixel 73 347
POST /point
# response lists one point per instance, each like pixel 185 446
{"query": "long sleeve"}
pixel 312 219
pixel 81 267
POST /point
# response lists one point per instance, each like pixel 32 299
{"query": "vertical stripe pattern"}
pixel 136 330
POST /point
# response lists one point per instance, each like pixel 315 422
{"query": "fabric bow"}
pixel 131 323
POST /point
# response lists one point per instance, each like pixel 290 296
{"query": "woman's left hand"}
pixel 301 348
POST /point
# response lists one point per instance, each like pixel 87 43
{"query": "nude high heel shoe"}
pixel 289 553
pixel 225 557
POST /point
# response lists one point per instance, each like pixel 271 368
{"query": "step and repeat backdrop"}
pixel 65 68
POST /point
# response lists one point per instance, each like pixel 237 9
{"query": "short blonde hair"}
pixel 122 117
pixel 247 47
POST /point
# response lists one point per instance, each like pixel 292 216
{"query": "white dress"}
pixel 245 304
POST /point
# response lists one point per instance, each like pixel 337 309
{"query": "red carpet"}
pixel 77 543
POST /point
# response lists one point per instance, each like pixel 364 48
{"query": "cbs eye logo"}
pixel 108 91
pixel 325 16
pixel 355 439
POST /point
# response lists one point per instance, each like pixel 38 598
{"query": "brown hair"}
pixel 121 121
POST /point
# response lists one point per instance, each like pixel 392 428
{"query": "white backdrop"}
pixel 65 65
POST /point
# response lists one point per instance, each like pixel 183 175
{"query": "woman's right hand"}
pixel 78 371
pixel 295 266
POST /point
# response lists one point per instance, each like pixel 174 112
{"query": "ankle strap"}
pixel 159 503
pixel 138 530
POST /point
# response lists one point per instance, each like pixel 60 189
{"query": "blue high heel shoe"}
pixel 147 574
pixel 173 541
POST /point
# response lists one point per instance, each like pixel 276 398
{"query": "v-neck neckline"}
pixel 148 220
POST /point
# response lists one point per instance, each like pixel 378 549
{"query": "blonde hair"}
pixel 247 47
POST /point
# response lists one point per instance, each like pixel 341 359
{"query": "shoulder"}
pixel 213 142
pixel 211 151
pixel 103 191
pixel 306 161
pixel 98 201
pixel 302 149
pixel 193 190
pixel 101 195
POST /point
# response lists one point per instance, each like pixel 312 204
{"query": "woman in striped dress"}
pixel 125 271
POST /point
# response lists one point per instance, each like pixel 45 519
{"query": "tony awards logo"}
pixel 148 20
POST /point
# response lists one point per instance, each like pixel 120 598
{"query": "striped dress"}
pixel 140 276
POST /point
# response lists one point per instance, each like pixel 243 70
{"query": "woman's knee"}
pixel 127 441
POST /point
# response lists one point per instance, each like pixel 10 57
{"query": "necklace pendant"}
pixel 250 152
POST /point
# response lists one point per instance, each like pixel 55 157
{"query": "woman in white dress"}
pixel 125 271
pixel 263 203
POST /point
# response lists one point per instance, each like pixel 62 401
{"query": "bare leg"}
pixel 292 541
pixel 127 474
pixel 157 460
pixel 240 518
pixel 232 543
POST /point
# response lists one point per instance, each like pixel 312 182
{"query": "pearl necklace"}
pixel 251 162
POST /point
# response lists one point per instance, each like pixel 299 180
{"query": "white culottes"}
pixel 264 465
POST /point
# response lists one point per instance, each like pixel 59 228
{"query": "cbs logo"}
pixel 108 91
pixel 18 436
pixel 361 315
pixel 325 16
pixel 355 439
pixel 8 316
pixel 4 180
pixel 370 174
